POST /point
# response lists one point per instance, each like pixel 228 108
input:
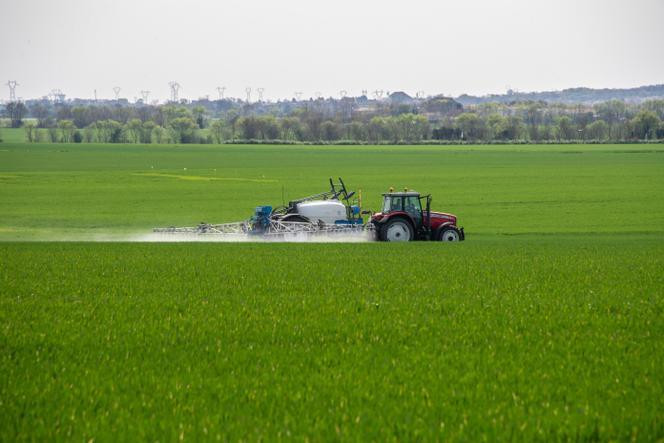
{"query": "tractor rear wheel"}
pixel 397 230
pixel 449 234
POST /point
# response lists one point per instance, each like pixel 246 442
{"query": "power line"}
pixel 220 90
pixel 12 90
pixel 175 89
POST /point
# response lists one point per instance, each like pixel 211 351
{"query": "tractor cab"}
pixel 408 202
pixel 407 206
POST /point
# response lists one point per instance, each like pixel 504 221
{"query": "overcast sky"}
pixel 437 46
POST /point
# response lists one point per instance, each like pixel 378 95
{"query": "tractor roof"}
pixel 403 194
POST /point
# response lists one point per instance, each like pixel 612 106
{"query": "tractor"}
pixel 407 216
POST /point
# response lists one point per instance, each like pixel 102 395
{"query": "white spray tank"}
pixel 327 211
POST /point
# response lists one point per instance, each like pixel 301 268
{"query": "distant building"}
pixel 443 105
pixel 401 98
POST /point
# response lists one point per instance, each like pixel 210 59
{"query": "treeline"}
pixel 310 128
pixel 570 95
pixel 612 121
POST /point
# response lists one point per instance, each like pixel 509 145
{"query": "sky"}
pixel 435 46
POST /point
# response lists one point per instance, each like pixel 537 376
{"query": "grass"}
pixel 54 191
pixel 12 135
pixel 492 340
pixel 546 324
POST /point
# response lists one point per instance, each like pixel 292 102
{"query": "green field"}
pixel 53 191
pixel 546 324
pixel 13 135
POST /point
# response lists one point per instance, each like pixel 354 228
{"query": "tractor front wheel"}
pixel 449 234
pixel 397 230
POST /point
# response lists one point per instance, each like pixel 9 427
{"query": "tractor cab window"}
pixel 413 206
pixel 391 204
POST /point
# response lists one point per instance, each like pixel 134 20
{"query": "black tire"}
pixel 397 229
pixel 449 234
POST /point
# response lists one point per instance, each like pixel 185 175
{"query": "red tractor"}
pixel 403 219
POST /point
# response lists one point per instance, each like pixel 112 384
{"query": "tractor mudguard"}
pixel 398 214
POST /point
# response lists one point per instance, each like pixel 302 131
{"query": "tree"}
pixel 199 116
pixel 217 130
pixel 40 112
pixel 645 125
pixel 312 122
pixel 565 129
pixel 62 111
pixel 67 130
pixel 249 127
pixel 410 127
pixel 619 131
pixel 52 133
pixel 183 130
pixel 515 129
pixel 31 132
pixel 146 131
pixel 471 125
pixel 660 131
pixel 159 134
pixel 533 132
pixel 98 127
pixel 81 116
pixel 232 118
pixel 16 111
pixel 533 114
pixel 89 133
pixel 121 114
pixel 330 130
pixel 612 111
pixel 268 128
pixel 357 131
pixel 545 132
pixel 597 130
pixel 656 106
pixel 109 131
pixel 497 127
pixel 134 128
pixel 144 113
pixel 291 128
pixel 173 112
pixel 393 131
pixel 446 133
pixel 379 129
pixel 582 118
